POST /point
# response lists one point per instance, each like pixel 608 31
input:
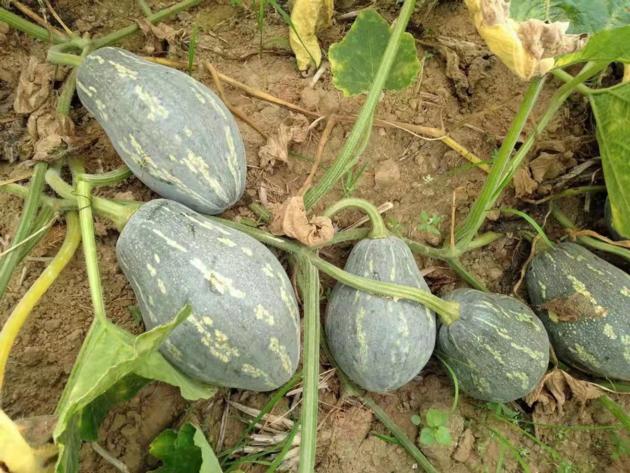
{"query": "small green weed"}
pixel 429 223
pixel 435 430
pixel 351 180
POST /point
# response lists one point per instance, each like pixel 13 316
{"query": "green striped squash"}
pixel 380 343
pixel 584 302
pixel 174 134
pixel 498 348
pixel 244 328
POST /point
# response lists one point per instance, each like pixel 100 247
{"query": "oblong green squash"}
pixel 244 328
pixel 584 302
pixel 174 134
pixel 498 348
pixel 380 343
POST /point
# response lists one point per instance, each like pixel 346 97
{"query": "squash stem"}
pixel 308 280
pixel 490 191
pixel 23 309
pixel 107 178
pixel 118 213
pixel 457 266
pixel 156 17
pixel 591 242
pixel 362 127
pixel 379 230
pixel 31 29
pixel 86 220
pixel 31 204
pixel 547 243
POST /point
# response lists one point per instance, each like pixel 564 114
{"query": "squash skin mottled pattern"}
pixel 598 345
pixel 244 328
pixel 498 348
pixel 380 343
pixel 174 134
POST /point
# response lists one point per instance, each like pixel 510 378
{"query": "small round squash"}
pixel 380 343
pixel 244 328
pixel 498 348
pixel 174 134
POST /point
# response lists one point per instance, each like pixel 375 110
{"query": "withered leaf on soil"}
pixel 528 47
pixel 290 219
pixel 155 34
pixel 50 133
pixel 572 308
pixel 523 182
pixel 558 386
pixel 550 165
pixel 277 146
pixel 34 86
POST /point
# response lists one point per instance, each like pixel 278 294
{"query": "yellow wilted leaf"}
pixel 18 455
pixel 308 17
pixel 528 47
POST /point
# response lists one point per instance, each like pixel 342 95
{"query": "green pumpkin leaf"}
pixel 427 436
pixel 604 46
pixel 584 16
pixel 611 108
pixel 110 368
pixel 186 451
pixel 354 60
pixel 436 417
pixel 442 436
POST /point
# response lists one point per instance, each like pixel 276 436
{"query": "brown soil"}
pixel 475 101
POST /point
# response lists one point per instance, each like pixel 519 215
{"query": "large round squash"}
pixel 174 134
pixel 380 343
pixel 498 348
pixel 244 328
pixel 584 302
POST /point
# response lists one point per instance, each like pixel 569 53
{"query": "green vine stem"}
pixel 23 309
pixel 25 225
pixel 308 280
pixel 379 230
pixel 547 243
pixel 86 221
pixel 156 17
pixel 491 188
pixel 591 242
pixel 117 212
pixel 457 266
pixel 31 29
pixel 566 77
pixel 107 178
pixel 146 9
pixel 362 127
pixel 59 205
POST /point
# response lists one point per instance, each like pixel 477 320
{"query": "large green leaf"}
pixel 186 451
pixel 584 16
pixel 355 59
pixel 110 368
pixel 612 114
pixel 604 46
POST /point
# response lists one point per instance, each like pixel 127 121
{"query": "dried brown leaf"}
pixel 156 34
pixel 290 219
pixel 277 146
pixel 549 166
pixel 556 387
pixel 50 133
pixel 574 307
pixel 523 182
pixel 34 86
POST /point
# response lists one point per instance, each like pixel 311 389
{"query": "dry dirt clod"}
pixel 387 173
pixel 524 184
pixel 49 132
pixel 34 86
pixel 574 307
pixel 290 219
pixel 464 447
